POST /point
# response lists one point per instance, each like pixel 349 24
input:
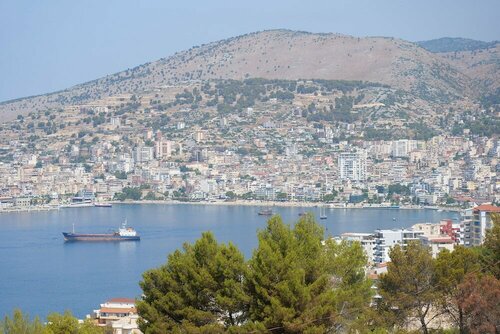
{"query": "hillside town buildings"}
pixel 167 167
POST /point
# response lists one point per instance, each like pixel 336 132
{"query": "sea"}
pixel 40 273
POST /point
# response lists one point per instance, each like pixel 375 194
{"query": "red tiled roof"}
pixel 122 300
pixel 441 240
pixel 117 310
pixel 487 208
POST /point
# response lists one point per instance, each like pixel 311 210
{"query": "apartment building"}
pixel 475 222
pixel 366 240
pixel 352 165
pixel 386 239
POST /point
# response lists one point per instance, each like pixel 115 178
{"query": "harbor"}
pixel 37 255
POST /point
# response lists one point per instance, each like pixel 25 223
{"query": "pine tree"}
pixel 21 324
pixel 198 290
pixel 62 323
pixel 300 284
pixel 451 269
pixel 408 289
pixel 490 251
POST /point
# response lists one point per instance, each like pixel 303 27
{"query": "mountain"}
pixel 278 54
pixel 449 44
pixel 481 65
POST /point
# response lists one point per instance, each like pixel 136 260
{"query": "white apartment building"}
pixel 366 240
pixel 475 223
pixel 143 154
pixel 352 165
pixel 402 148
pixel 386 239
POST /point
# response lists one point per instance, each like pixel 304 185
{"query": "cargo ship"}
pixel 124 233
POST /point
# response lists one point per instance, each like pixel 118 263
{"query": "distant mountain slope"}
pixel 278 54
pixel 481 65
pixel 449 44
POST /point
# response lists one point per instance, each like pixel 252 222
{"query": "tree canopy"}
pixel 294 283
pixel 57 323
pixel 199 289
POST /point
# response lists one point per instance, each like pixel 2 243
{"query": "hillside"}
pixel 481 65
pixel 276 54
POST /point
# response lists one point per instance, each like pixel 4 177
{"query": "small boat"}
pixel 322 213
pixel 103 205
pixel 77 205
pixel 265 212
pixel 124 233
pixel 301 214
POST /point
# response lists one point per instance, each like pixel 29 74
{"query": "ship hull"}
pixel 103 205
pixel 98 237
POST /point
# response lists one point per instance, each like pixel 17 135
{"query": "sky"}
pixel 54 44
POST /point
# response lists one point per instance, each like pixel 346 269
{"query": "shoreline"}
pixel 288 204
pixel 254 203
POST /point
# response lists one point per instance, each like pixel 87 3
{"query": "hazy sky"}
pixel 53 44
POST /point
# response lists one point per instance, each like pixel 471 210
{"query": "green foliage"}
pixel 282 95
pixel 399 189
pixel 421 131
pixel 378 134
pixel 56 324
pixel 482 126
pixel 231 195
pixel 490 252
pixel 294 283
pixel 346 86
pixel 408 289
pixel 132 193
pixel 62 323
pixel 150 196
pixel 302 286
pixel 199 290
pixel 451 269
pixel 330 197
pixel 20 324
pixel 121 175
pixel 491 100
pixel 281 196
pixel 450 44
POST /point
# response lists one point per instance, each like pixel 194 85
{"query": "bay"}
pixel 40 273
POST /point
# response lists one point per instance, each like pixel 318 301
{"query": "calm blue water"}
pixel 39 273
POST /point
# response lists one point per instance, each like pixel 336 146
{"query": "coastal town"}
pixel 263 180
pixel 279 150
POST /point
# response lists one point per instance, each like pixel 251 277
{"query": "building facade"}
pixel 386 239
pixel 352 165
pixel 475 222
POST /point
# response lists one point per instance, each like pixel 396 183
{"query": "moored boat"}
pixel 103 205
pixel 322 213
pixel 265 212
